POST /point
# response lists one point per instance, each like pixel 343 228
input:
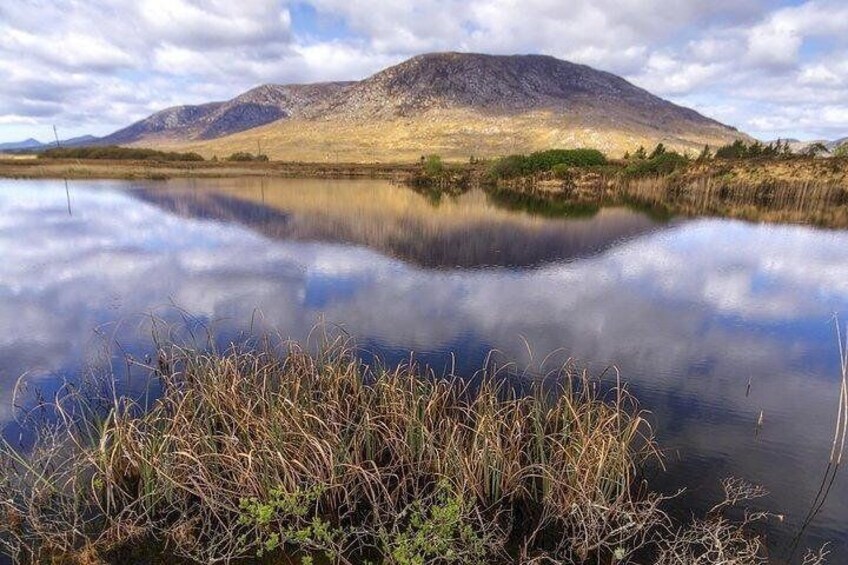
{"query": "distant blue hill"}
pixel 35 145
pixel 18 145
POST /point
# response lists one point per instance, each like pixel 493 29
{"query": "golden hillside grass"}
pixel 454 134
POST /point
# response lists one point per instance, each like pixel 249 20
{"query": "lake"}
pixel 689 310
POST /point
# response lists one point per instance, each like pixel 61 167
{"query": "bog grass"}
pixel 287 455
pixel 251 452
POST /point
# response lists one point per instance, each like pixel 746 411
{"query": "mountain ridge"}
pixel 32 144
pixel 455 103
pixel 258 106
pixel 29 143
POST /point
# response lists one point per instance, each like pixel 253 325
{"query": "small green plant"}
pixel 436 529
pixel 433 166
pixel 244 156
pixel 661 163
pixel 561 171
pixel 658 151
pixel 288 518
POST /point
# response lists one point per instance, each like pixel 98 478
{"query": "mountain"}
pixel 454 104
pixel 80 141
pixel 35 145
pixel 797 146
pixel 256 107
pixel 20 145
pixel 503 85
pixel 835 144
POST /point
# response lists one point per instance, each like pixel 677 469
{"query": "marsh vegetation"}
pixel 258 451
pixel 759 182
pixel 114 152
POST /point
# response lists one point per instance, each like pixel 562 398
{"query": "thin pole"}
pixel 68 195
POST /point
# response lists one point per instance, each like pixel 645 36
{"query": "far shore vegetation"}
pixel 752 181
pixel 747 180
pixel 269 452
pixel 113 152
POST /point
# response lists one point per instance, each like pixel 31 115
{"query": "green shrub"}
pixel 244 156
pixel 546 160
pixel 510 167
pixel 662 164
pixel 433 166
pixel 561 171
pixel 513 166
pixel 741 150
pixel 658 150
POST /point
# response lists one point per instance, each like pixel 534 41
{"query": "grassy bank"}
pixel 254 454
pixel 760 183
pixel 770 188
pixel 160 170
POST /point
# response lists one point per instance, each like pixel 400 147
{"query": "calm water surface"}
pixel 688 310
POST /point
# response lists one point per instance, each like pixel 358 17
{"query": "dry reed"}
pixel 251 452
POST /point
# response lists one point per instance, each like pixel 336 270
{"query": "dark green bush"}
pixel 736 150
pixel 509 167
pixel 561 171
pixel 514 166
pixel 433 166
pixel 244 156
pixel 741 150
pixel 662 164
pixel 658 150
pixel 546 160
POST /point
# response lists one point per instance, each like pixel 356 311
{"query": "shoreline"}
pixel 801 191
pixel 35 168
pixel 758 171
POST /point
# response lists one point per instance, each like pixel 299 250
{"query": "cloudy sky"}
pixel 770 67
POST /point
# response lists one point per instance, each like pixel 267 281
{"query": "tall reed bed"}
pixel 290 456
pixel 818 203
pixel 252 452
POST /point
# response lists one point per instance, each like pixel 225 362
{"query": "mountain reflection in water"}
pixel 464 231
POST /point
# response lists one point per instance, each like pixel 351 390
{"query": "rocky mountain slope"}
pixel 456 104
pixel 502 85
pixel 261 105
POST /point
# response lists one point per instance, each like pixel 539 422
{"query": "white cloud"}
pixel 98 64
pixel 823 74
pixel 774 44
pixel 216 24
pixel 664 73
